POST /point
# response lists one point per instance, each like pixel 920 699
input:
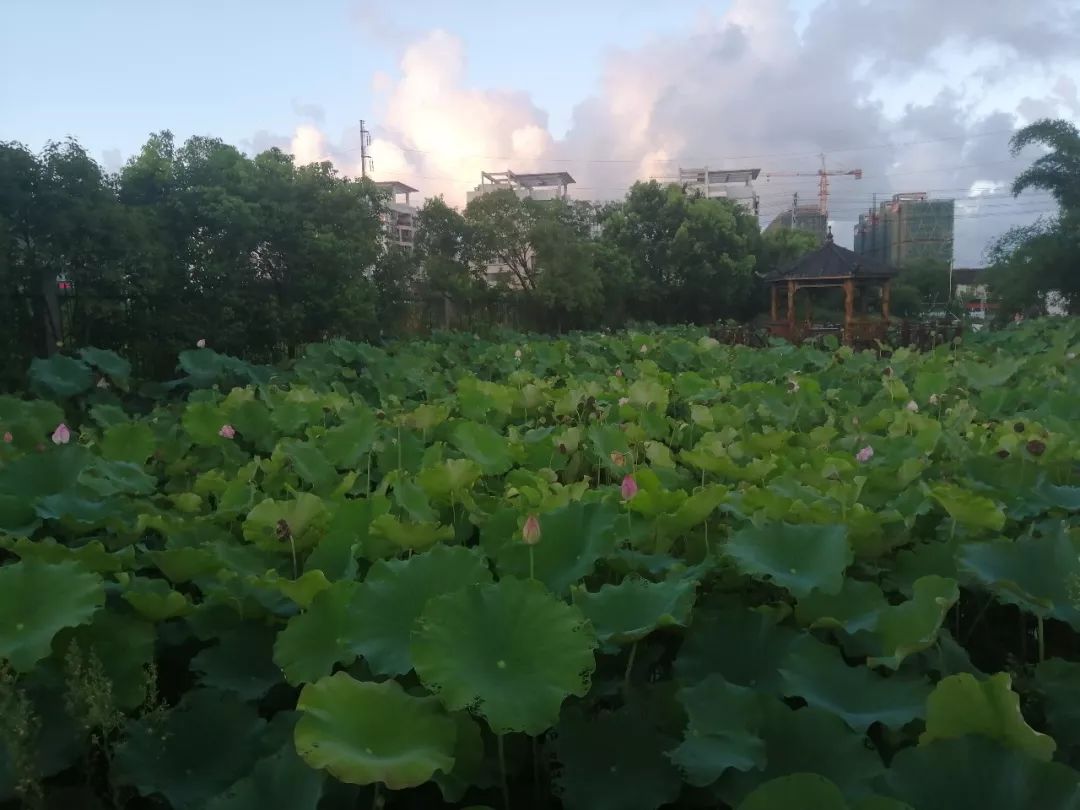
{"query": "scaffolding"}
pixel 540 186
pixel 731 184
pixel 807 218
pixel 909 227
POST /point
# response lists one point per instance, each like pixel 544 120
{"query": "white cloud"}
pixel 911 91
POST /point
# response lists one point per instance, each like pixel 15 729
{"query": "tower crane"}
pixel 823 174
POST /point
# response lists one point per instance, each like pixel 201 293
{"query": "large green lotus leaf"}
pixel 449 478
pixel 410 536
pixel 746 647
pixel 817 673
pixel 305 515
pixel 240 662
pixel 313 641
pixel 1034 573
pixel 800 558
pixel 799 791
pixel 38 600
pixel 154 599
pixel 108 362
pixel 129 441
pixel 912 626
pixel 1059 682
pixel 470 769
pixel 391 598
pixel 309 463
pixel 806 741
pixel 206 744
pixel 484 445
pixel 412 500
pixel 301 590
pixel 186 563
pixel 968 509
pixel 39 474
pixel 347 446
pixel 116 477
pixel 961 705
pixel 854 608
pixel 604 440
pixel 573 538
pixel 977 773
pixel 510 652
pixel 613 761
pixel 696 509
pixel 721 732
pixel 349 535
pixel 629 611
pixel 123 644
pixel 92 556
pixel 365 733
pixel 646 393
pixel 18 517
pixel 60 376
pixel 281 781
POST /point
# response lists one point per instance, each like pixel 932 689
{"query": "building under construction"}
pixel 906 228
pixel 807 218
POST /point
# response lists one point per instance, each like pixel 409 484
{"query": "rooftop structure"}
pixel 538 186
pixel 733 184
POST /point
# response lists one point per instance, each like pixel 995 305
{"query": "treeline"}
pixel 259 256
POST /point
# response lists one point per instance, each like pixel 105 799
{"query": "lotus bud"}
pixel 618 371
pixel 934 399
pixel 617 458
pixel 530 532
pixel 200 343
pixel 624 401
pixel 629 488
pixel 912 406
pixel 62 434
pixel 865 454
pixel 8 438
pixel 227 432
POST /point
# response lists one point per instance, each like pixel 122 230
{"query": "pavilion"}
pixel 831 266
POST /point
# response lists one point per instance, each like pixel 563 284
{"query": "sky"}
pixel 922 95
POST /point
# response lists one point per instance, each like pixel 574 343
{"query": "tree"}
pixel 449 282
pixel 691 258
pixel 1030 263
pixel 1058 170
pixel 781 247
pixel 922 286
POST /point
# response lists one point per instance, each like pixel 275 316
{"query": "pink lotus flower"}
pixel 8 438
pixel 200 343
pixel 912 406
pixel 865 454
pixel 530 532
pixel 62 434
pixel 624 400
pixel 629 488
pixel 227 432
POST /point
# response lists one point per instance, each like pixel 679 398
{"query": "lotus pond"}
pixel 604 572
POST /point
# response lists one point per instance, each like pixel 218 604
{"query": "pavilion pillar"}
pixel 849 307
pixel 791 306
pixel 775 303
pixel 886 295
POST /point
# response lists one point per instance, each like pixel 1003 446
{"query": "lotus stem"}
pixel 1041 630
pixel 532 563
pixel 295 568
pixel 502 772
pixel 629 668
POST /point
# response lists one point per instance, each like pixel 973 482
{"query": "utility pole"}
pixel 365 142
pixel 794 208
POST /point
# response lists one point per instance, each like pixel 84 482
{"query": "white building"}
pixel 730 184
pixel 399 217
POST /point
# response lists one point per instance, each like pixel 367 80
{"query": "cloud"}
pixel 313 112
pixel 909 91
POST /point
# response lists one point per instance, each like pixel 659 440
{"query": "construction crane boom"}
pixel 823 174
